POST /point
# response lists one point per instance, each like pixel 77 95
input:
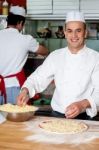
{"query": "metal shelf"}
pixel 3 16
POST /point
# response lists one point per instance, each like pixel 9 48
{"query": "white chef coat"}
pixel 14 48
pixel 76 78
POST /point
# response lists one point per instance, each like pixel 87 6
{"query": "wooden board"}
pixel 12 137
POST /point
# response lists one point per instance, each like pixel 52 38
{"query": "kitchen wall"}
pixel 32 26
pixel 53 44
pixel 52 13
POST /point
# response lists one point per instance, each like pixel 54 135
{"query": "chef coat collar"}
pixel 12 29
pixel 81 51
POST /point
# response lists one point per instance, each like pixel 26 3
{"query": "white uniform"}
pixel 76 78
pixel 14 48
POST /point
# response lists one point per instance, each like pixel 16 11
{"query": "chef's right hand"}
pixel 23 97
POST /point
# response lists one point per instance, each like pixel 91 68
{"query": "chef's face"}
pixel 75 33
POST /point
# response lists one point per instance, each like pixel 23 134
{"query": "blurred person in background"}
pixel 75 71
pixel 14 49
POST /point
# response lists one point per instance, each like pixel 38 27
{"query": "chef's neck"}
pixel 75 50
pixel 15 27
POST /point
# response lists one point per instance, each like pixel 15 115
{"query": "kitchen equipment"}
pixel 5 8
pixel 44 33
pixel 60 32
pixel 18 113
pixel 19 117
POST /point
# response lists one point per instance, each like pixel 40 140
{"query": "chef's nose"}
pixel 74 34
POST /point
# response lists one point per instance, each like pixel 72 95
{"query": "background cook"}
pixel 14 48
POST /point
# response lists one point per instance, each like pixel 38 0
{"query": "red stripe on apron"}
pixel 21 78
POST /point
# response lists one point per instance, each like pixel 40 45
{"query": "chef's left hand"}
pixel 76 108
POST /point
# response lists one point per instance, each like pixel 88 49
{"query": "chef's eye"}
pixel 78 30
pixel 69 31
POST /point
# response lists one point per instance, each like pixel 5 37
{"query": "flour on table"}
pixel 40 135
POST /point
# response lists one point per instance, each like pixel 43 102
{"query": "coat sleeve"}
pixel 94 97
pixel 41 77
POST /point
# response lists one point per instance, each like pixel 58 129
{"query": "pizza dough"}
pixel 66 126
pixel 17 109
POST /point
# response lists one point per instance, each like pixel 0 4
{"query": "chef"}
pixel 75 71
pixel 14 48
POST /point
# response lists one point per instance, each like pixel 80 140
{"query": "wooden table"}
pixel 12 137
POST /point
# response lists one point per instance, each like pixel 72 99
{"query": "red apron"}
pixel 20 76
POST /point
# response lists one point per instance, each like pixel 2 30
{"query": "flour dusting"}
pixel 40 135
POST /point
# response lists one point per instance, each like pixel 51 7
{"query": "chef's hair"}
pixel 15 19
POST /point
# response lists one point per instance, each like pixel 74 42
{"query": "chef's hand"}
pixel 76 108
pixel 23 97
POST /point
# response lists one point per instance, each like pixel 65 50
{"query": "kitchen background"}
pixel 45 20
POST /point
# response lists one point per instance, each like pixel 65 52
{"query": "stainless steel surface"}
pixel 18 117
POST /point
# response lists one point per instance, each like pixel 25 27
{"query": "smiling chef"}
pixel 75 71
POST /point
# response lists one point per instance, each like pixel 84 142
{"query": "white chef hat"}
pixel 75 16
pixel 17 10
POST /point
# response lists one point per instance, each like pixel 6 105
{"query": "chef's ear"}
pixel 64 28
pixel 19 26
pixel 86 33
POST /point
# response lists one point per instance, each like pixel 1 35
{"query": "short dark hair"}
pixel 15 19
